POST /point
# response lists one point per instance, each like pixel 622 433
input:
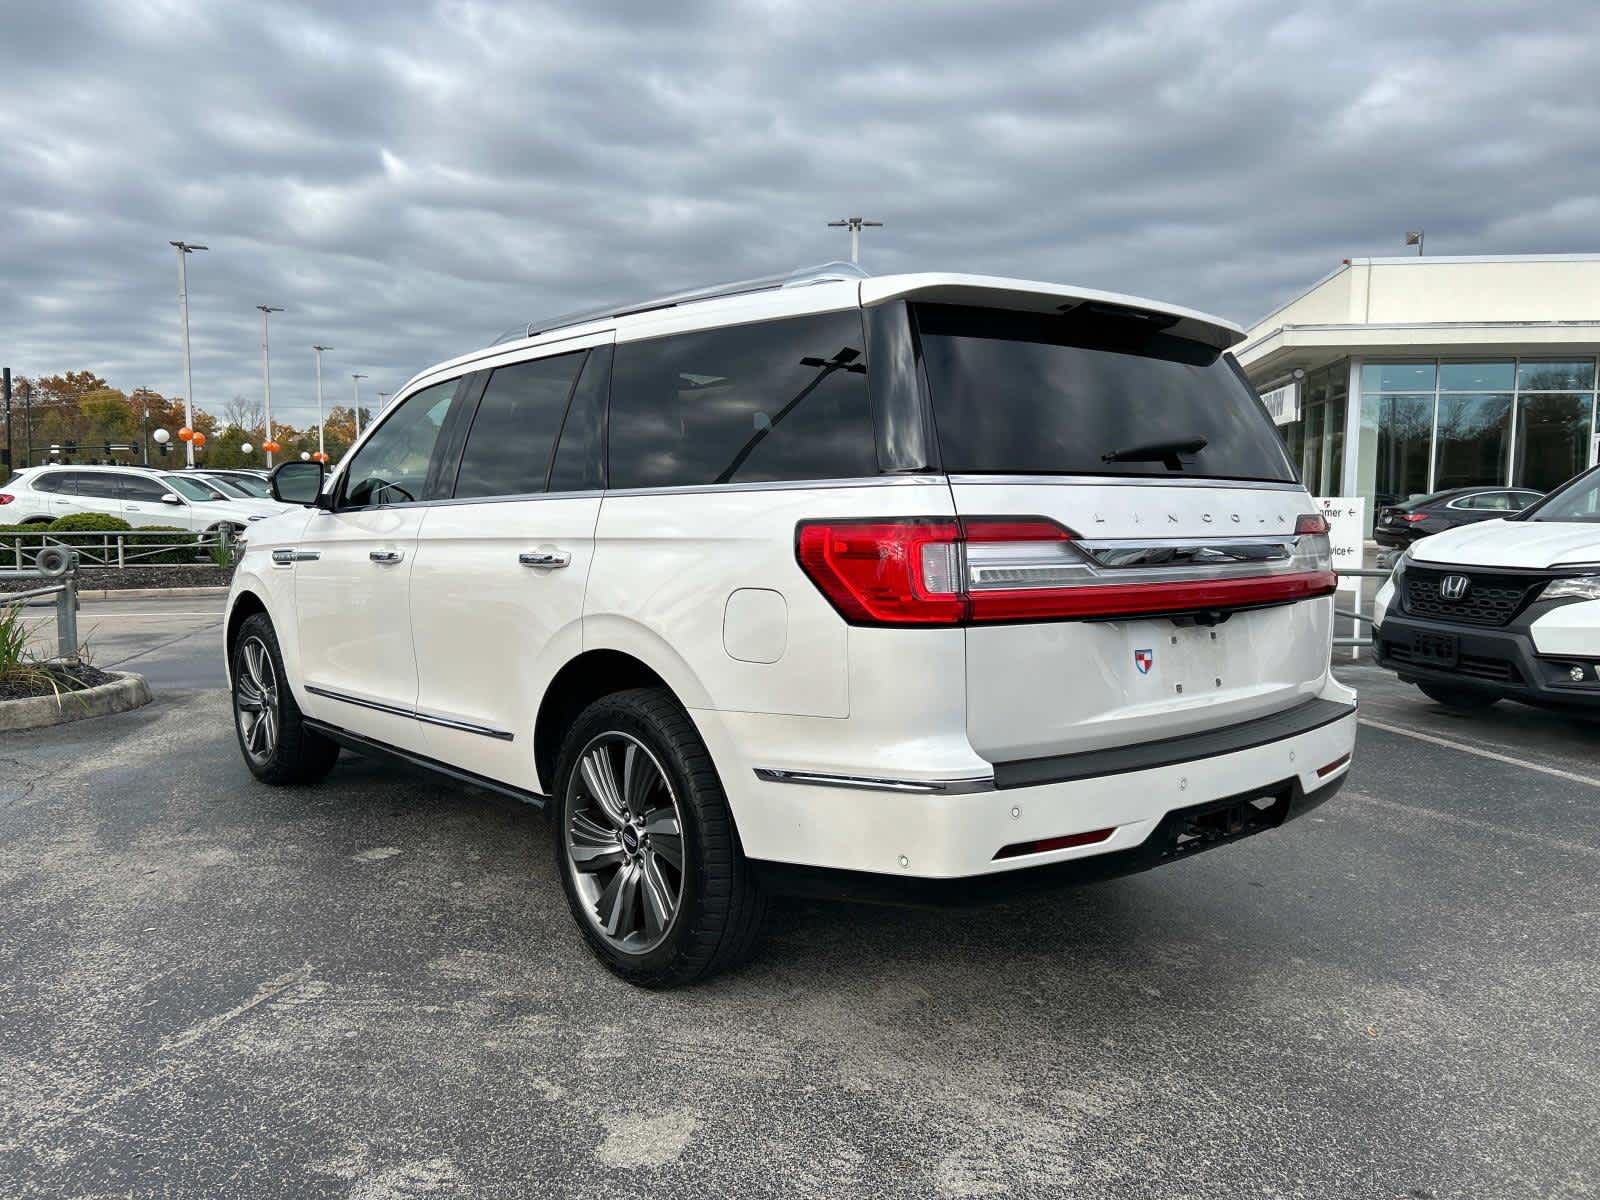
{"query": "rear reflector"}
pixel 1324 772
pixel 1018 849
pixel 922 571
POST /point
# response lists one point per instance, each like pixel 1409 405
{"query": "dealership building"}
pixel 1394 377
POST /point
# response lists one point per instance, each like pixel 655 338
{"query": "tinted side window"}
pixel 771 401
pixel 392 467
pixel 580 456
pixel 514 430
pixel 54 482
pixel 137 487
pixel 99 486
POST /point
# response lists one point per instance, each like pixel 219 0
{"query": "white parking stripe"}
pixel 1481 753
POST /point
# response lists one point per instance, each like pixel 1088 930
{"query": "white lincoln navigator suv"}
pixel 918 583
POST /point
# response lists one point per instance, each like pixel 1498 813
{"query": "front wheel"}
pixel 1464 698
pixel 646 845
pixel 277 745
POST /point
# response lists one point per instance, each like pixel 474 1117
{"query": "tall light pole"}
pixel 855 225
pixel 355 390
pixel 320 448
pixel 383 401
pixel 184 250
pixel 1414 238
pixel 266 373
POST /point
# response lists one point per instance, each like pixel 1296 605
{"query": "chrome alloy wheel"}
pixel 255 700
pixel 624 842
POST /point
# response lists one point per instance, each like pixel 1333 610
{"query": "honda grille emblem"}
pixel 1453 587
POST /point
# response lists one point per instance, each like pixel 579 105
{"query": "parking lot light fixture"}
pixel 355 391
pixel 184 250
pixel 855 225
pixel 321 449
pixel 266 375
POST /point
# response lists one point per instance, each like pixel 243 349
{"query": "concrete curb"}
pixel 125 692
pixel 150 593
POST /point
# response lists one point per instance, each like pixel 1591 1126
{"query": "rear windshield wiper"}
pixel 1165 453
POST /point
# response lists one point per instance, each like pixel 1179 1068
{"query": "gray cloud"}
pixel 410 179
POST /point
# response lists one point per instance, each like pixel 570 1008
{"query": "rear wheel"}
pixel 277 746
pixel 1464 698
pixel 646 846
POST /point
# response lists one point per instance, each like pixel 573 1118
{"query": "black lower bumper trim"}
pixel 1144 756
pixel 1182 833
pixel 1502 662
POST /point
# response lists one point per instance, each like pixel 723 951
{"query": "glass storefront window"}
pixel 1553 436
pixel 1403 428
pixel 1474 436
pixel 1397 377
pixel 1477 377
pixel 1556 376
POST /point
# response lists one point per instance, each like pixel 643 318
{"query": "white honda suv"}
pixel 925 584
pixel 1505 609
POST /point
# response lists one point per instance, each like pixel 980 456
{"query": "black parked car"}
pixel 1398 525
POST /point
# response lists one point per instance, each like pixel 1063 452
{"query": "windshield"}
pixel 193 489
pixel 229 487
pixel 1094 391
pixel 1578 501
pixel 251 486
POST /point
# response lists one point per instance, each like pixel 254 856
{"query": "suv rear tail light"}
pixel 984 570
pixel 6 497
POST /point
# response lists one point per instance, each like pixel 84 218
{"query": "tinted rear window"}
pixel 514 431
pixel 771 401
pixel 1035 393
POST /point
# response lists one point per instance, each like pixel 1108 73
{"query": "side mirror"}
pixel 171 498
pixel 298 483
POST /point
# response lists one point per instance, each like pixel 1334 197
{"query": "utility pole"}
pixel 322 450
pixel 355 390
pixel 184 250
pixel 144 428
pixel 266 377
pixel 855 225
pixel 5 386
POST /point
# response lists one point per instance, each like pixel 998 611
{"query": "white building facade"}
pixel 1395 377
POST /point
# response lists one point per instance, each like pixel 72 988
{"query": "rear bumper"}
pixel 1181 833
pixel 963 833
pixel 1502 661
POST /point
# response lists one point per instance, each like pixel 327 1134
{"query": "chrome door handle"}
pixel 544 558
pixel 386 556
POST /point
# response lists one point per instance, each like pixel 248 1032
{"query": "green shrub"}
pixel 185 545
pixel 88 523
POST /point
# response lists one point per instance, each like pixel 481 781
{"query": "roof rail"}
pixel 830 272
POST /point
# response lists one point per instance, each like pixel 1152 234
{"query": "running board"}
pixel 377 749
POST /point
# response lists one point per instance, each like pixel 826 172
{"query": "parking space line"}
pixel 1482 753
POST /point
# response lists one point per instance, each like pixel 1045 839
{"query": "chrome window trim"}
pixel 874 783
pixel 770 485
pixel 502 735
pixel 1253 485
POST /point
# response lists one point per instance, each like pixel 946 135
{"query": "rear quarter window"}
pixel 1038 393
pixel 778 400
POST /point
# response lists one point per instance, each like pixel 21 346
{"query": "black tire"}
pixel 286 752
pixel 1464 698
pixel 720 905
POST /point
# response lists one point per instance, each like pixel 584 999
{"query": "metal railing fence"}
pixel 111 548
pixel 60 568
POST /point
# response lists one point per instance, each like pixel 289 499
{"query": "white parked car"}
pixel 924 583
pixel 139 495
pixel 1505 609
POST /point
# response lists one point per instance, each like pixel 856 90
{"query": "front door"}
pixel 497 591
pixel 353 571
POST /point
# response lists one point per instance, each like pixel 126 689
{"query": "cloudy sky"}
pixel 410 179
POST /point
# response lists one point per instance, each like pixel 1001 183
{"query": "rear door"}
pixel 1131 522
pixel 497 589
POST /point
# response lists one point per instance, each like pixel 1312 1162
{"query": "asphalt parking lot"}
pixel 373 989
